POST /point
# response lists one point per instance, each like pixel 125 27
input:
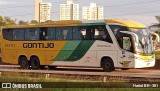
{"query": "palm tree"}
pixel 157 25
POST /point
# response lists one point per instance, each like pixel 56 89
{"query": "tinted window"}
pixel 116 29
pixel 95 33
pixel 77 35
pixel 64 33
pixel 51 34
pixel 83 32
pixel 18 34
pixel 43 33
pixel 124 40
pixel 101 33
pixel 32 34
pixel 8 34
pixel 87 32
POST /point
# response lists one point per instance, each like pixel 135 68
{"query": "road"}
pixel 141 73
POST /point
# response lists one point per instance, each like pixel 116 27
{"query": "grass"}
pixel 25 77
pixel 86 89
pixel 28 77
pixel 157 54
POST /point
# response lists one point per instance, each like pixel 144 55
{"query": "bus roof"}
pixel 50 24
pixel 127 23
pixel 81 23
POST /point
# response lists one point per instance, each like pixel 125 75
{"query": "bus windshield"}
pixel 145 45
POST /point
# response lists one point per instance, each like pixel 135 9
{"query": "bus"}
pixel 108 44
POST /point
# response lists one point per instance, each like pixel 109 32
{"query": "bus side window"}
pixel 64 33
pixel 86 33
pixel 101 33
pixel 77 35
pixel 7 34
pixel 83 33
pixel 18 34
pixel 43 33
pixel 51 34
pixel 68 33
pixel 32 34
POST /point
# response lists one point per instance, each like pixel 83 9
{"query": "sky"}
pixel 143 11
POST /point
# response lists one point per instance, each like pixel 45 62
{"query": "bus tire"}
pixel 52 67
pixel 23 62
pixel 107 65
pixel 124 68
pixel 35 63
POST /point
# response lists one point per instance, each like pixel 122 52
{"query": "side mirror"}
pixel 133 34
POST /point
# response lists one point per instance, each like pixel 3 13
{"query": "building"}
pixel 37 9
pixel 45 12
pixel 93 12
pixel 42 11
pixel 69 11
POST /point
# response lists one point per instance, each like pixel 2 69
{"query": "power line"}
pixel 22 15
pixel 104 6
pixel 128 4
pixel 158 11
pixel 81 9
pixel 16 7
pixel 23 6
pixel 134 13
pixel 151 1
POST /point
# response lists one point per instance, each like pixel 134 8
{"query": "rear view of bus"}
pixel 135 42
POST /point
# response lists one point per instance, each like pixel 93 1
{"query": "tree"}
pixel 6 21
pixel 156 24
pixel 9 21
pixel 1 20
pixel 49 21
pixel 34 22
pixel 21 22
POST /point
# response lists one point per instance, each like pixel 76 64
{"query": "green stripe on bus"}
pixel 67 50
pixel 81 50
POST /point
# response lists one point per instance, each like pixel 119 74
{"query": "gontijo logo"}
pixel 38 45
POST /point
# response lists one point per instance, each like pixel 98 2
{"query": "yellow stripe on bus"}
pixel 146 57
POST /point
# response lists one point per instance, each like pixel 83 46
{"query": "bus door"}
pixel 127 51
pixel 125 54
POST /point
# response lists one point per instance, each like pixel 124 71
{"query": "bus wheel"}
pixel 52 67
pixel 23 62
pixel 107 65
pixel 124 68
pixel 35 64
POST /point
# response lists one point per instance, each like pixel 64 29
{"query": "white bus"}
pixel 106 44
